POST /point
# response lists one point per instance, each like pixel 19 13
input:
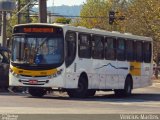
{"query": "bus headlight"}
pixel 15 75
pixel 56 74
pixel 59 72
pixel 49 77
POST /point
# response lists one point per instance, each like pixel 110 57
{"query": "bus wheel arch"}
pixel 82 89
pixel 89 92
pixel 128 86
pixel 129 78
pixel 85 78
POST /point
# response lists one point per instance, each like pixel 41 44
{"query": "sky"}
pixel 65 2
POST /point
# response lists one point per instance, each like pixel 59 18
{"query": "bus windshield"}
pixel 37 50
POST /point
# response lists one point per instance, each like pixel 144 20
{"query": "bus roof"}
pixel 94 31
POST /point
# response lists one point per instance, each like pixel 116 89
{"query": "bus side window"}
pixel 97 47
pixel 110 51
pixel 139 55
pixel 129 50
pixel 84 46
pixel 147 52
pixel 121 49
pixel 70 47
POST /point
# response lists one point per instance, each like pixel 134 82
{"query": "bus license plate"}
pixel 33 81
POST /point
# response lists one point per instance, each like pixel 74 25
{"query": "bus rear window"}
pixel 147 52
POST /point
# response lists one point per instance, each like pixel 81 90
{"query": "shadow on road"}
pixel 109 98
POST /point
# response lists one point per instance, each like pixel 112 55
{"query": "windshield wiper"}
pixel 43 41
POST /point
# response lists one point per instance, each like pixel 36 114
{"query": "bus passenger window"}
pixel 97 47
pixel 129 50
pixel 121 49
pixel 110 44
pixel 70 47
pixel 139 55
pixel 84 44
pixel 147 52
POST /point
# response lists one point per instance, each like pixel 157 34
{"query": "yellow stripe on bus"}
pixel 33 72
pixel 135 68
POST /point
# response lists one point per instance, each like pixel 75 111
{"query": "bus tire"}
pixel 82 89
pixel 90 93
pixel 37 92
pixel 127 91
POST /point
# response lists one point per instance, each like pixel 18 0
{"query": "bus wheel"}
pixel 37 92
pixel 127 91
pixel 82 89
pixel 90 93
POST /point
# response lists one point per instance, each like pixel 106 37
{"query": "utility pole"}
pixel 43 11
pixel 25 6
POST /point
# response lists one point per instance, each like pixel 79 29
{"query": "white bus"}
pixel 78 60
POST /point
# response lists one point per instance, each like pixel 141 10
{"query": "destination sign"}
pixel 38 30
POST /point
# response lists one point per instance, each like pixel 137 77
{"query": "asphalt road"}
pixel 143 100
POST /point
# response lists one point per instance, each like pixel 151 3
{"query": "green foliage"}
pixel 14 18
pixel 142 17
pixel 63 20
pixel 94 14
pixel 34 19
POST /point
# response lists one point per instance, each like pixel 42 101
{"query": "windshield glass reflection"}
pixel 37 50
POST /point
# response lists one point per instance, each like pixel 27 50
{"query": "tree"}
pixel 34 19
pixel 63 20
pixel 23 18
pixel 94 14
pixel 143 18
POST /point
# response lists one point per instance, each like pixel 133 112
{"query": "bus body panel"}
pixel 57 81
pixel 71 77
pixel 146 73
pixel 102 74
pixel 123 68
